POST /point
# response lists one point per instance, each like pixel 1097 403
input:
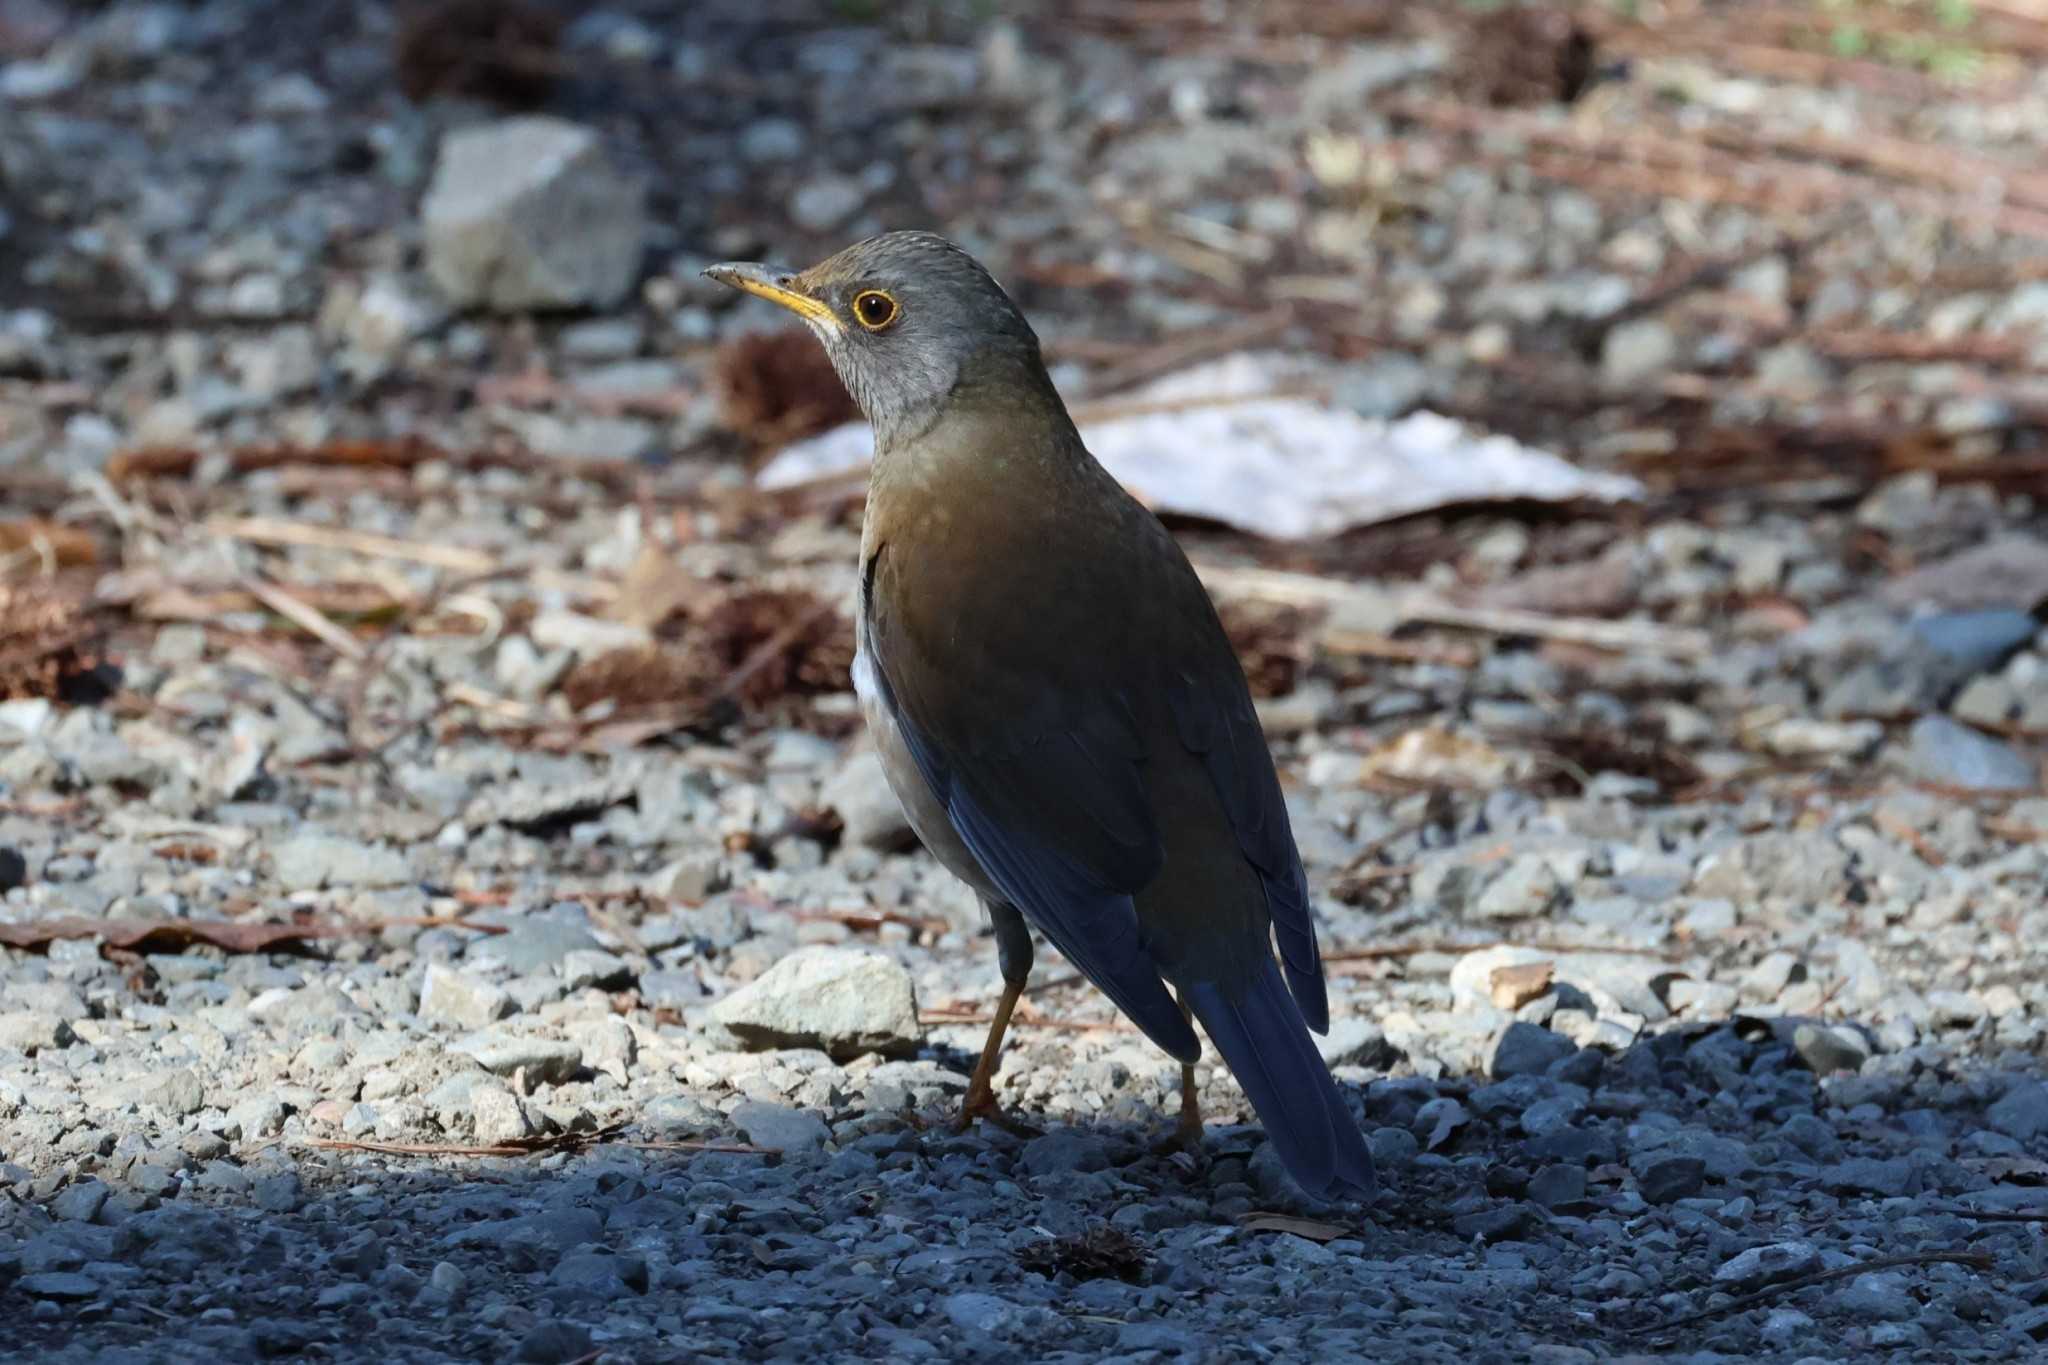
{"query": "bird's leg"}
pixel 1187 1133
pixel 1013 953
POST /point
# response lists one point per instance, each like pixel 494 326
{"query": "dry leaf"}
pixel 1102 1252
pixel 1434 756
pixel 49 643
pixel 779 386
pixel 656 588
pixel 500 51
pixel 64 547
pixel 174 935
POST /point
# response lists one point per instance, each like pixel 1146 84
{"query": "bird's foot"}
pixel 1186 1137
pixel 981 1104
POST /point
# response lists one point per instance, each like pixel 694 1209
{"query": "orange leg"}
pixel 981 1093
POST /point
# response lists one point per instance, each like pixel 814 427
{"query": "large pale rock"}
pixel 528 213
pixel 844 1001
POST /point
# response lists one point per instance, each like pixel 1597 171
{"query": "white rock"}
pixel 845 1001
pixel 529 213
pixel 497 1115
pixel 873 816
pixel 457 998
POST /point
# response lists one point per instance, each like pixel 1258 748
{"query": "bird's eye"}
pixel 874 309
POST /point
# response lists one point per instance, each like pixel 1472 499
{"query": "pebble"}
pixel 529 213
pixel 779 1128
pixel 1955 755
pixel 455 997
pixel 844 1001
pixel 1526 1049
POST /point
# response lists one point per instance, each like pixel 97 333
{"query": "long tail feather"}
pixel 1265 1041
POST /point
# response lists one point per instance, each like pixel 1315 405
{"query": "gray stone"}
pixel 1882 1296
pixel 1672 1178
pixel 1393 1148
pixel 529 213
pixel 499 1116
pixel 977 1312
pixel 1063 1152
pixel 535 946
pixel 872 815
pixel 31 1032
pixel 1775 866
pixel 176 1092
pixel 1977 640
pixel 1526 888
pixel 1637 350
pixel 81 1203
pixel 779 1127
pixel 823 202
pixel 1527 1049
pixel 2005 571
pixel 1830 1048
pixel 1955 755
pixel 455 997
pixel 845 1001
pixel 61 1285
pixel 583 968
pixel 1768 1264
pixel 2022 1112
pixel 1353 1041
pixel 1558 1185
pixel 308 862
pixel 544 1060
pixel 554 1343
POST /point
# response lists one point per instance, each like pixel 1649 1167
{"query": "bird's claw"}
pixel 1186 1137
pixel 981 1104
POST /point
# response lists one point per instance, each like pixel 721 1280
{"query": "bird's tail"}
pixel 1266 1043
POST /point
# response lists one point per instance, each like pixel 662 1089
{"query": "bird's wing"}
pixel 1043 781
pixel 1212 710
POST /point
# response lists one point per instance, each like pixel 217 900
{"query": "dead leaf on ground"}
pixel 1299 1227
pixel 776 387
pixel 1103 1252
pixel 655 588
pixel 500 51
pixel 1272 642
pixel 1578 754
pixel 1433 756
pixel 62 547
pixel 49 643
pixel 174 935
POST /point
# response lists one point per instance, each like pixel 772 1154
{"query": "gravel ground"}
pixel 454 915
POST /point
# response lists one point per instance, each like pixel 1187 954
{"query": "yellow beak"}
pixel 774 286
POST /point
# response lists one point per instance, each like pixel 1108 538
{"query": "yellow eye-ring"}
pixel 874 309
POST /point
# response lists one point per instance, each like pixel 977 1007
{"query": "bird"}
pixel 1056 704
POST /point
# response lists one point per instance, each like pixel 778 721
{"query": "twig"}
pixel 1971 1259
pixel 538 1146
pixel 271 531
pixel 1184 351
pixel 307 618
pixel 1994 1215
pixel 951 1016
pixel 1645 637
pixel 1382 952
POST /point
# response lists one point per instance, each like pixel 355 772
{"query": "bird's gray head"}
pixel 910 321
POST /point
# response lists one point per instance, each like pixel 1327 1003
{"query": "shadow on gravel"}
pixel 1701 1192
